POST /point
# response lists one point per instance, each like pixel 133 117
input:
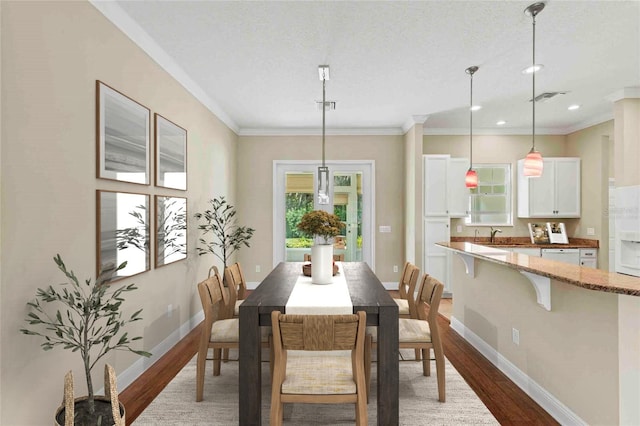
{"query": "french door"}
pixel 351 199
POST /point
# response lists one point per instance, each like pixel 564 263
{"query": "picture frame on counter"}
pixel 538 233
pixel 557 233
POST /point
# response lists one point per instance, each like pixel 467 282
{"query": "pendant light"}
pixel 533 161
pixel 471 179
pixel 323 171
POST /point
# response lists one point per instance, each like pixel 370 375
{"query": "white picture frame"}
pixel 557 233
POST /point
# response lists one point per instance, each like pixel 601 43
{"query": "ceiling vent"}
pixel 544 97
pixel 329 105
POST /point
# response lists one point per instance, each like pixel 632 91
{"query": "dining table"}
pixel 367 294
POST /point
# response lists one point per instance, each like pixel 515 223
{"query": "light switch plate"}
pixel 459 228
pixel 385 228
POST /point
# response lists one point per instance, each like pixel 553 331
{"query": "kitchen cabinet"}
pixel 529 251
pixel 436 259
pixel 571 256
pixel 589 258
pixel 443 180
pixel 555 194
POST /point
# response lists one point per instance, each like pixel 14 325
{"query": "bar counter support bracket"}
pixel 542 286
pixel 469 263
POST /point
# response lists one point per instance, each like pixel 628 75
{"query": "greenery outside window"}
pixel 490 202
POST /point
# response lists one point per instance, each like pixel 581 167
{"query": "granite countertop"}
pixel 581 276
pixel 525 242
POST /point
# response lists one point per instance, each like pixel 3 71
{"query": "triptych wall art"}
pixel 123 223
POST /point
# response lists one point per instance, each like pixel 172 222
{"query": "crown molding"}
pixel 589 122
pixel 131 29
pixel 304 131
pixel 412 121
pixel 626 93
pixel 491 131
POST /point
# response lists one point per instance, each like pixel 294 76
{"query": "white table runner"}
pixel 320 299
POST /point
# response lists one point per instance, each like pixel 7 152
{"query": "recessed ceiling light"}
pixel 475 108
pixel 501 123
pixel 572 107
pixel 532 69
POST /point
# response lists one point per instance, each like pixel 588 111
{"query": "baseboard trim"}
pixel 546 400
pixel 136 369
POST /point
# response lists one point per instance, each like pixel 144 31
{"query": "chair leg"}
pixel 440 373
pixel 276 408
pixel 216 361
pixel 367 364
pixel 225 355
pixel 417 354
pixel 200 370
pixel 426 362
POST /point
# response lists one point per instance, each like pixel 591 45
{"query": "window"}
pixel 490 202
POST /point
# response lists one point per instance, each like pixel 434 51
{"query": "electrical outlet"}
pixel 591 231
pixel 257 268
pixel 169 310
pixel 515 336
pixel 395 268
pixel 459 229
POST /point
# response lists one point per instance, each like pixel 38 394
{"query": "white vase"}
pixel 322 263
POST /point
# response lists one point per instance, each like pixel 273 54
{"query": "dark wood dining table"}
pixel 367 294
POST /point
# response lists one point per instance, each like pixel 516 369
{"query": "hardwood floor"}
pixel 506 401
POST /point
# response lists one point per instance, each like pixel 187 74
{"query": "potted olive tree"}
pixel 88 321
pixel 322 226
pixel 226 235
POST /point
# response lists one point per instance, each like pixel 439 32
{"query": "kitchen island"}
pixel 579 357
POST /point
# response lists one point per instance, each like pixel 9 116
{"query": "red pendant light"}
pixel 471 178
pixel 533 163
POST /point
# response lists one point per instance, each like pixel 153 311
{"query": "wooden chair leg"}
pixel 216 361
pixel 225 355
pixel 426 362
pixel 417 354
pixel 200 370
pixel 440 373
pixel 276 408
pixel 367 363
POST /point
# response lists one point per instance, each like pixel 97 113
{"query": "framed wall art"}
pixel 122 234
pixel 171 154
pixel 122 134
pixel 171 229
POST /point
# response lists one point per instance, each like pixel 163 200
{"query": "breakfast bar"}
pixel 579 357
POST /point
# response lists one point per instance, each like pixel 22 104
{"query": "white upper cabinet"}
pixel 445 193
pixel 554 194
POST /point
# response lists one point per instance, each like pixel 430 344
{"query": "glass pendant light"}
pixel 471 179
pixel 533 163
pixel 323 171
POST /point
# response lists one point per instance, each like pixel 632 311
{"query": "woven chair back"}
pixel 429 294
pixel 211 296
pixel 408 280
pixel 234 277
pixel 318 332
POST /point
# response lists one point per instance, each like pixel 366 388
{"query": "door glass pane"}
pixel 299 200
pixel 347 205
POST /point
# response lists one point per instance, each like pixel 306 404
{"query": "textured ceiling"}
pixel 256 62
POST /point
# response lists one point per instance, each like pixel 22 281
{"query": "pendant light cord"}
pixel 471 124
pixel 533 101
pixel 324 108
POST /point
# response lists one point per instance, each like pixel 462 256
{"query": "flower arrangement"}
pixel 319 223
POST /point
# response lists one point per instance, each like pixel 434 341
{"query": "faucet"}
pixel 493 234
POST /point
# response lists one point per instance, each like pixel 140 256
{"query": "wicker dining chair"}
pixel 237 285
pixel 407 287
pixel 324 378
pixel 218 330
pixel 336 257
pixel 423 334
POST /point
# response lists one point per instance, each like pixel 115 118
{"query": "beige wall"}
pixel 52 54
pixel 498 149
pixel 571 351
pixel 255 195
pixel 593 146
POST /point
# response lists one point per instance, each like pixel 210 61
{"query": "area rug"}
pixel 419 405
